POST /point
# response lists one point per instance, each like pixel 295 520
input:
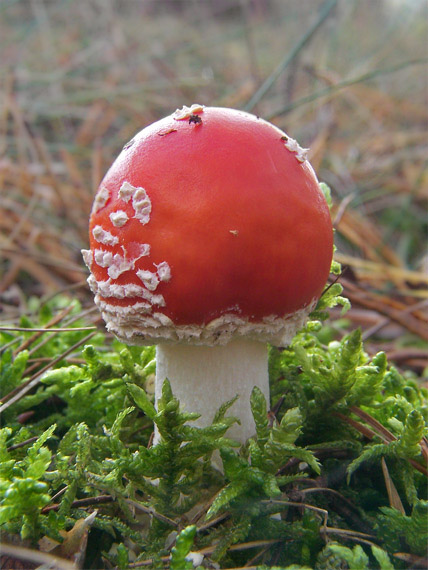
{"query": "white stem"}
pixel 204 377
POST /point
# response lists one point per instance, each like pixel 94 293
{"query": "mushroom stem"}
pixel 205 377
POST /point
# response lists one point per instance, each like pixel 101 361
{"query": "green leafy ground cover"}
pixel 333 478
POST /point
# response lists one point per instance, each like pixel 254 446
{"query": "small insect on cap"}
pixel 209 225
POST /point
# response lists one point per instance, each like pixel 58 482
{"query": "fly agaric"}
pixel 209 237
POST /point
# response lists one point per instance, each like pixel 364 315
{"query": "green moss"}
pixel 310 475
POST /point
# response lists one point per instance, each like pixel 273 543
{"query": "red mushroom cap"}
pixel 210 224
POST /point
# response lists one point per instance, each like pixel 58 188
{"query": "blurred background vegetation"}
pixel 347 78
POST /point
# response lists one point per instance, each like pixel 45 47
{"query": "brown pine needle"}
pixel 44 330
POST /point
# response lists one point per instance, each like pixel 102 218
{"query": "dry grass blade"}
pixel 394 497
pixel 16 394
pixel 394 310
pixel 81 503
pixel 210 549
pixel 55 320
pixel 332 90
pixel 150 511
pixel 210 523
pixel 364 430
pixel 21 555
pixel 318 510
pixel 23 443
pixel 44 330
pixel 306 37
pixel 380 430
pixel 414 562
pixel 382 271
pixel 386 435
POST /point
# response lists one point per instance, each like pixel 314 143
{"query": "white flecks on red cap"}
pixel 149 279
pixel 126 191
pixel 140 201
pixel 153 280
pixel 93 284
pixel 115 264
pixel 103 236
pixel 187 112
pixel 119 218
pixel 163 271
pixel 137 322
pixel 87 258
pixel 101 199
pixel 143 250
pixel 103 258
pixel 137 308
pixel 128 319
pixel 119 265
pixel 128 324
pixel 107 289
pixel 293 146
pixel 142 205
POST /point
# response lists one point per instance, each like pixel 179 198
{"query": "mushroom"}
pixel 210 237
